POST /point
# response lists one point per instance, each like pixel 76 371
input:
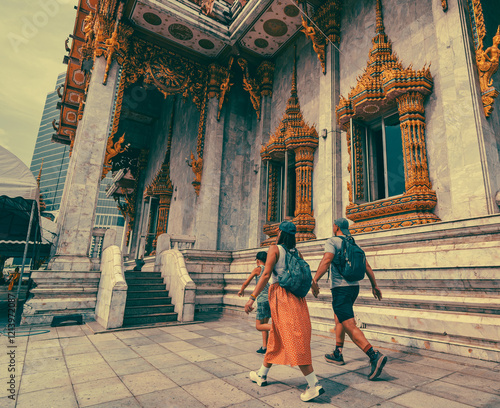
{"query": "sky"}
pixel 32 35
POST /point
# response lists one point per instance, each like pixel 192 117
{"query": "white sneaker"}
pixel 256 378
pixel 312 392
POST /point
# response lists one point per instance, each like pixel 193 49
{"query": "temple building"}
pixel 214 120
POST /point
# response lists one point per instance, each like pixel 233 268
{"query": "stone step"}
pixel 148 310
pixel 134 274
pixel 144 281
pixel 143 294
pixel 57 304
pixel 147 301
pixel 65 274
pixel 145 319
pixel 145 287
pixel 45 319
pixel 51 292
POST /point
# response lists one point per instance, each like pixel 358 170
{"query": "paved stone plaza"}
pixel 207 364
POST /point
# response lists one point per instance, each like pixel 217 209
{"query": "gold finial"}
pixel 39 174
pixel 379 29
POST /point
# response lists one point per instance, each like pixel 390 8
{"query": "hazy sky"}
pixel 32 35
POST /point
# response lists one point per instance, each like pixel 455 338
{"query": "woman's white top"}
pixel 279 268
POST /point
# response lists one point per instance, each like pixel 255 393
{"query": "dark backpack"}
pixel 297 277
pixel 353 260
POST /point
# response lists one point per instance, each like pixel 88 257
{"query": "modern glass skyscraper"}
pixel 55 165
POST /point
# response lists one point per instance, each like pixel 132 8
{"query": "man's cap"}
pixel 343 224
pixel 288 227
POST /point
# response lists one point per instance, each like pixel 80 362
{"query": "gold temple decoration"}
pixel 161 186
pixel 219 83
pixel 318 41
pixel 487 61
pixel 260 86
pixel 384 84
pixel 327 17
pixel 293 134
pixel 444 5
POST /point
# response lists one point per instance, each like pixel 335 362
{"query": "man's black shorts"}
pixel 343 298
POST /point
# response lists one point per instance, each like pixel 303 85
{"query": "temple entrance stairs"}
pixel 148 300
pixel 61 293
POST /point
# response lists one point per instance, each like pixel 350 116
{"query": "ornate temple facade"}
pixel 218 119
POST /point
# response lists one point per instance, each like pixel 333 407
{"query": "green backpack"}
pixel 297 277
pixel 353 260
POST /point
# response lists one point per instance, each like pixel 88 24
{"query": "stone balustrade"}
pixel 112 294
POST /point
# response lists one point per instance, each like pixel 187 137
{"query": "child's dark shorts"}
pixel 343 298
pixel 263 310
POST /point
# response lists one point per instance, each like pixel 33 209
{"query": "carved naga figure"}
pixel 487 62
pixel 318 41
pixel 250 86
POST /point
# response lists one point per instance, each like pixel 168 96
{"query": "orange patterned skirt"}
pixel 290 337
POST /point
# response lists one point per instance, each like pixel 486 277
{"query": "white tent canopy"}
pixel 16 179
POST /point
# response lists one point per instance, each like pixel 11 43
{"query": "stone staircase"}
pixel 147 299
pixel 61 293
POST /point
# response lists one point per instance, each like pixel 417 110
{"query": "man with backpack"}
pixel 348 266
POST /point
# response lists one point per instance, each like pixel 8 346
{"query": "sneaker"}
pixel 335 358
pixel 312 392
pixel 378 363
pixel 256 378
pixel 262 350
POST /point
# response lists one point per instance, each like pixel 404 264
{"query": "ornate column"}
pixel 304 157
pixel 81 190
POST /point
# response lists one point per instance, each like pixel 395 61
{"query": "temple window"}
pixel 281 185
pixel 382 161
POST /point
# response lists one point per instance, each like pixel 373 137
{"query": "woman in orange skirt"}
pixel 290 337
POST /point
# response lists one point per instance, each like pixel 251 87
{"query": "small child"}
pixel 263 310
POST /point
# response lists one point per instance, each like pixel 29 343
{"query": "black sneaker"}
pixel 262 350
pixel 335 358
pixel 378 362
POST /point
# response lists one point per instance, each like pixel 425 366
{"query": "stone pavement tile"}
pixel 165 360
pixel 222 367
pixel 291 398
pixel 254 403
pixel 216 393
pixel 43 344
pixel 49 379
pixel 230 330
pixel 38 334
pixel 119 354
pixel 342 395
pixel 324 369
pixel 252 360
pixel 79 349
pixel 137 341
pixel 171 398
pixel 247 345
pixel 283 373
pixel 350 378
pixel 242 382
pixel 197 354
pixel 403 378
pixel 75 341
pixel 227 351
pixel 247 336
pixel 70 331
pixel 34 354
pixel 176 346
pixel 101 337
pixel 471 381
pixel 7 402
pixel 146 382
pixel 130 366
pixel 382 389
pixel 187 335
pixel 62 397
pixel 123 403
pixel 228 339
pixel 207 332
pixel 77 360
pixel 424 371
pixel 461 394
pixel 204 342
pixel 86 373
pixel 110 345
pixel 100 391
pixel 44 365
pixel 418 399
pixel 389 404
pixel 149 350
pixel 163 338
pixel 175 329
pixel 128 334
pixel 151 331
pixel 481 372
pixel 432 362
pixel 187 374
